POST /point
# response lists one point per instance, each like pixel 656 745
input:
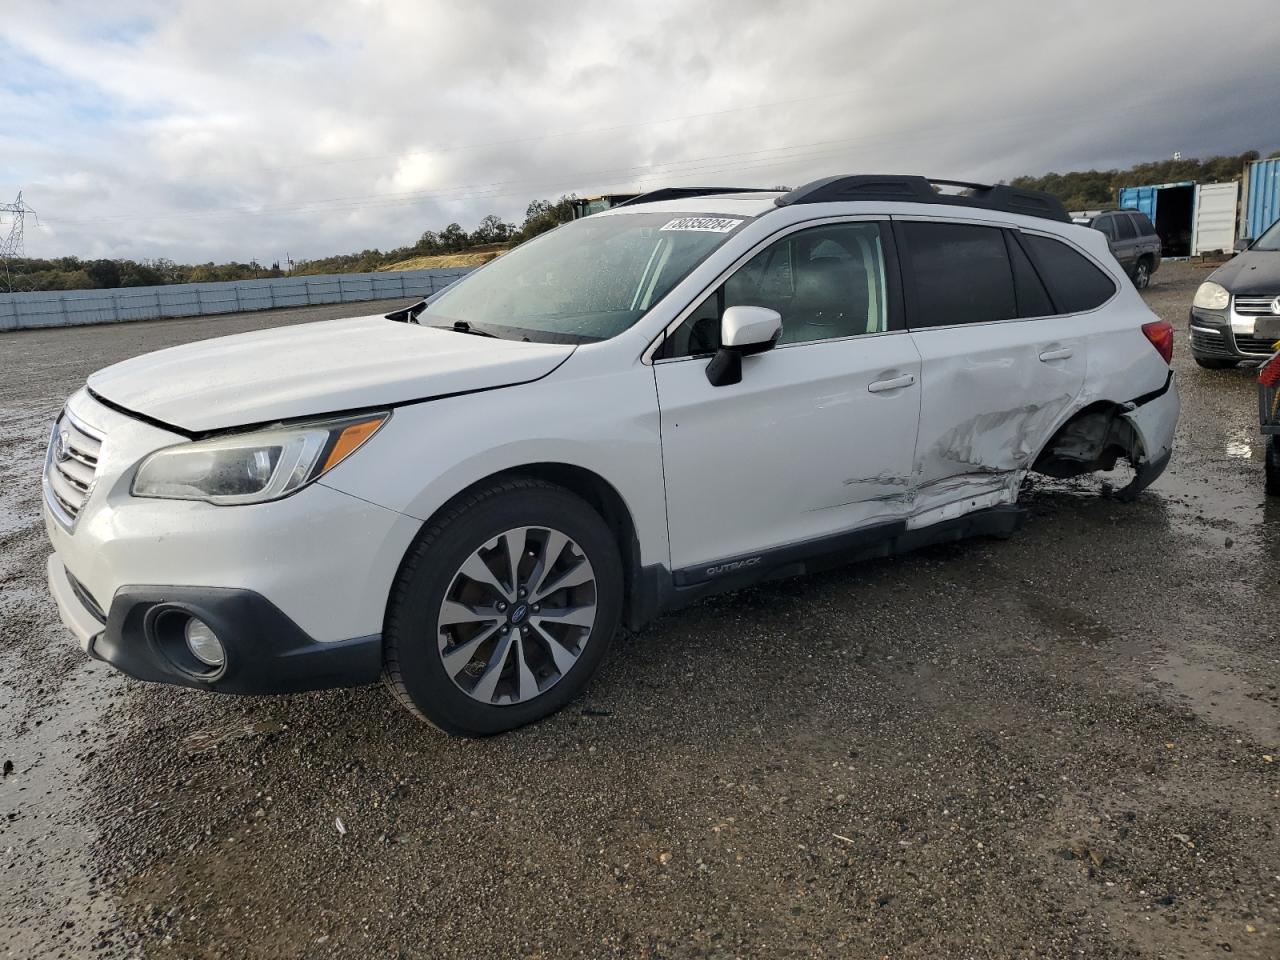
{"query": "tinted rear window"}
pixel 961 274
pixel 1124 228
pixel 1076 284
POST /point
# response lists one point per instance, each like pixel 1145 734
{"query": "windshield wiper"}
pixel 461 326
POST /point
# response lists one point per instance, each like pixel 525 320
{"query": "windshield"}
pixel 1270 239
pixel 585 281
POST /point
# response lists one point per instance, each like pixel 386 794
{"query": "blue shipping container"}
pixel 1140 198
pixel 1262 206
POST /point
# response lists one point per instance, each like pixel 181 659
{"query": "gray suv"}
pixel 1133 241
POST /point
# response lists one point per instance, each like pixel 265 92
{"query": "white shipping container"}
pixel 1214 229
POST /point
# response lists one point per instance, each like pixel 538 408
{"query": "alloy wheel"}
pixel 517 615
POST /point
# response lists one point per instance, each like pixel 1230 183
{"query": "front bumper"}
pixel 1228 335
pixel 265 651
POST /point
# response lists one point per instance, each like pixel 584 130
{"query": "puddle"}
pixel 1219 696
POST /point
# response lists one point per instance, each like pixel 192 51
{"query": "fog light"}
pixel 204 643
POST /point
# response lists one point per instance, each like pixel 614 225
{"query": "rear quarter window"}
pixel 1143 224
pixel 1074 282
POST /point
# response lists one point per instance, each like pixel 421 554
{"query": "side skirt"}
pixel 657 591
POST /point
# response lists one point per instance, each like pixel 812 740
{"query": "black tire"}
pixel 413 669
pixel 1142 273
pixel 1273 467
pixel 1215 363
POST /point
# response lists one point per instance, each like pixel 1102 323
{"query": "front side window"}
pixel 961 274
pixel 588 280
pixel 826 282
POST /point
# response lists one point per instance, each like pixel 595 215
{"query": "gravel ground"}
pixel 1057 745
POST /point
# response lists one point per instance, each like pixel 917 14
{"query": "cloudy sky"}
pixel 236 129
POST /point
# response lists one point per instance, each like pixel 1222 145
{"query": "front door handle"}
pixel 897 383
pixel 1066 353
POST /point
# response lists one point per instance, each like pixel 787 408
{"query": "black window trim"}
pixel 893 275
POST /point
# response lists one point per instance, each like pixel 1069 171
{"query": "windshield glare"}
pixel 1270 239
pixel 585 281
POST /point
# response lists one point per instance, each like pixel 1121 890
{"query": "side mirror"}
pixel 743 331
pixel 1243 244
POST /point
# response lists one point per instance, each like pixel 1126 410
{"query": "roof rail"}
pixel 1030 203
pixel 680 193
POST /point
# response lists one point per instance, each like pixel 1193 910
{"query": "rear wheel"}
pixel 503 609
pixel 1142 274
pixel 1215 363
pixel 1273 467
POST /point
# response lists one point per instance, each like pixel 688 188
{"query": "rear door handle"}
pixel 897 383
pixel 1066 353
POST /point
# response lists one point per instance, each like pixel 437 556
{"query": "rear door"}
pixel 999 367
pixel 1128 244
pixel 818 437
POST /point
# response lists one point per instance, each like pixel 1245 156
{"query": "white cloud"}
pixel 241 129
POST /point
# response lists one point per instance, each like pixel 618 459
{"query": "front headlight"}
pixel 253 467
pixel 1211 296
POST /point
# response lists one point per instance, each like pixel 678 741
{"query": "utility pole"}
pixel 11 248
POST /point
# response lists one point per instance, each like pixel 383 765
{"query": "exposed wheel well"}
pixel 1093 439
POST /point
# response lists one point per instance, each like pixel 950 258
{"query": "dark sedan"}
pixel 1236 312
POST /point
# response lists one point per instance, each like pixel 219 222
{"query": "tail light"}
pixel 1160 334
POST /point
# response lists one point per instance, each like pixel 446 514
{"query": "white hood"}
pixel 315 368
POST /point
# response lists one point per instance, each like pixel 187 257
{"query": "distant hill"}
pixel 441 261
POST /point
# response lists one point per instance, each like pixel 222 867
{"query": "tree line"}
pixel 1095 189
pixel 74 273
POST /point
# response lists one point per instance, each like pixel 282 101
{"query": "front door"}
pixel 818 437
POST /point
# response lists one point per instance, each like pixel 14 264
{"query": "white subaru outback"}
pixel 682 395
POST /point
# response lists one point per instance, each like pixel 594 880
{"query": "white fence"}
pixel 64 308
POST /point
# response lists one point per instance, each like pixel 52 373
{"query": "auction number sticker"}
pixel 707 224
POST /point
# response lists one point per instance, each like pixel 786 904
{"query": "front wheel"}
pixel 503 608
pixel 1273 466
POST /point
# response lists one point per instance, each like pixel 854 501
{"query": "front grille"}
pixel 1256 306
pixel 1260 346
pixel 70 467
pixel 1209 343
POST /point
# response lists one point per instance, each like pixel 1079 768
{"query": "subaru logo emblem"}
pixel 62 446
pixel 1275 306
pixel 519 612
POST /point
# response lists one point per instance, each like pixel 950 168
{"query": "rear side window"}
pixel 1124 228
pixel 1076 284
pixel 961 274
pixel 1033 299
pixel 1106 225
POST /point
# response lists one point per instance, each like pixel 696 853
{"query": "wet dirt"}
pixel 1064 744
